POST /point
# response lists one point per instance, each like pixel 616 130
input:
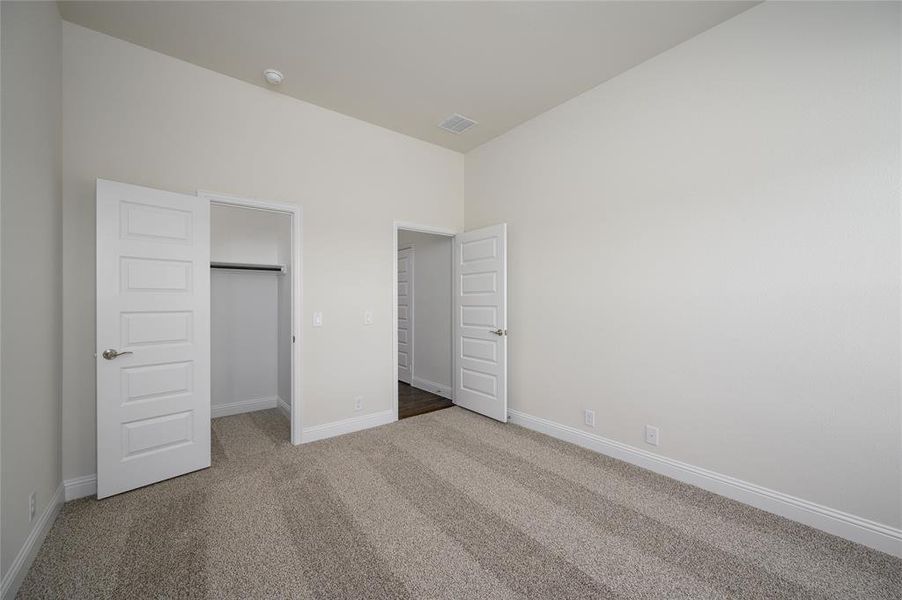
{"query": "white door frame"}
pixel 295 212
pixel 417 228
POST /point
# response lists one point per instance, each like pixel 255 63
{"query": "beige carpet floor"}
pixel 445 505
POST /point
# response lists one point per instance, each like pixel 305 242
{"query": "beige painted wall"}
pixel 137 116
pixel 710 243
pixel 30 263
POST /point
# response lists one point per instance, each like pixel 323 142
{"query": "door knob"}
pixel 112 353
pixel 500 331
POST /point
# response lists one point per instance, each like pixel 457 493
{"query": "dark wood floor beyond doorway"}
pixel 413 401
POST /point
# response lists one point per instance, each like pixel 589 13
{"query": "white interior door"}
pixel 153 336
pixel 480 321
pixel 405 314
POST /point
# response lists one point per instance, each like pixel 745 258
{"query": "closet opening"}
pixel 254 350
pixel 424 321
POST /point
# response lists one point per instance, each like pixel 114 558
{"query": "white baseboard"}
pixel 857 529
pixel 80 487
pixel 430 386
pixel 243 406
pixel 13 578
pixel 284 407
pixel 327 430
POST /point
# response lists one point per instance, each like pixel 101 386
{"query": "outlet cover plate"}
pixel 652 435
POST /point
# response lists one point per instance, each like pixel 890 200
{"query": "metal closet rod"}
pixel 247 267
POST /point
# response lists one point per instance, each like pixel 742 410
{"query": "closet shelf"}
pixel 247 267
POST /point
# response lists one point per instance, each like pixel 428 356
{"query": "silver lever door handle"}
pixel 500 331
pixel 112 353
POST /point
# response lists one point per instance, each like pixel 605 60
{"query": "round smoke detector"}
pixel 273 77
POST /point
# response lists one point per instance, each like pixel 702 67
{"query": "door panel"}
pixel 155 328
pixel 153 305
pixel 480 321
pixel 405 316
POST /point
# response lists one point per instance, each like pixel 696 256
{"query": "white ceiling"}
pixel 408 65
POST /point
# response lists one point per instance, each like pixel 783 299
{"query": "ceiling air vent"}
pixel 457 124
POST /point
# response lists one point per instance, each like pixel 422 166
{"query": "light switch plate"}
pixel 317 319
pixel 367 317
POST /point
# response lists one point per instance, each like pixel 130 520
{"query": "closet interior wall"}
pixel 250 311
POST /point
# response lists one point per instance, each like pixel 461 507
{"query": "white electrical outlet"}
pixel 652 435
pixel 589 417
pixel 358 403
pixel 32 505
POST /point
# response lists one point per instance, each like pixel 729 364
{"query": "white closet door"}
pixel 153 336
pixel 405 315
pixel 480 321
